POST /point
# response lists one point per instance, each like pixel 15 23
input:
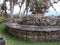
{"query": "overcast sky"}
pixel 50 10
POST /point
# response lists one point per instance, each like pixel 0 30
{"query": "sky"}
pixel 50 10
pixel 16 8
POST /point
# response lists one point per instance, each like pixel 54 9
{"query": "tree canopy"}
pixel 36 6
pixel 40 6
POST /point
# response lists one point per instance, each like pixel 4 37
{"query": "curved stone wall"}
pixel 42 21
pixel 40 33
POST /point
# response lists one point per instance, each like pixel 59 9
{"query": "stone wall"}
pixel 43 21
pixel 37 35
pixel 40 33
pixel 40 36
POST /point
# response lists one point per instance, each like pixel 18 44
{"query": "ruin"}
pixel 50 31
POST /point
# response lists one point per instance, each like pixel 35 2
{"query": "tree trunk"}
pixel 26 11
pixel 11 8
pixel 20 10
pixel 4 8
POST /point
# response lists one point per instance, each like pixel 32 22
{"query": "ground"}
pixel 14 41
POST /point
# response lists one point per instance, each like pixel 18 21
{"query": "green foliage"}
pixel 2 19
pixel 15 2
pixel 39 6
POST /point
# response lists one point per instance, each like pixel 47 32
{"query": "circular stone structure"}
pixel 39 33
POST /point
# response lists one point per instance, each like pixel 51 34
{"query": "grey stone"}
pixel 43 21
pixel 2 40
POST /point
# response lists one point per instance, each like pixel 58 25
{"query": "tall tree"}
pixel 40 6
pixel 3 7
pixel 12 3
pixel 20 3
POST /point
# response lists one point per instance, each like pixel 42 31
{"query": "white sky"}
pixel 1 1
pixel 16 8
pixel 50 12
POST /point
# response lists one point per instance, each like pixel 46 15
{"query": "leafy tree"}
pixel 36 6
pixel 40 6
pixel 3 7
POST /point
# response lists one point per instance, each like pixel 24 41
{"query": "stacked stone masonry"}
pixel 47 34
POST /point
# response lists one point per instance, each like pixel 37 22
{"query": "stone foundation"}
pixel 37 33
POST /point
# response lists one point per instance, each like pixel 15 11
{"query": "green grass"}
pixel 14 41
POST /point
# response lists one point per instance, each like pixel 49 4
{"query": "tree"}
pixel 20 3
pixel 36 6
pixel 40 6
pixel 3 7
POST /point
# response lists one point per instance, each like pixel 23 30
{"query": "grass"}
pixel 14 41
